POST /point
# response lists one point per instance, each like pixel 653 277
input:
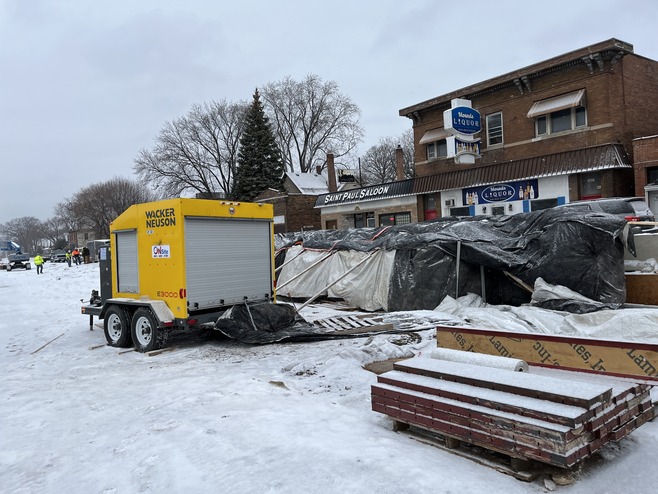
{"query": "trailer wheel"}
pixel 146 333
pixel 117 327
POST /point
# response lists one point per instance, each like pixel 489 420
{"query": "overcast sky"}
pixel 84 85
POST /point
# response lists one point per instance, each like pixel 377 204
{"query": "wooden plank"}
pixel 365 329
pixel 642 288
pixel 329 323
pixel 506 464
pixel 567 415
pixel 580 394
pixel 158 352
pixel 616 358
pixel 493 443
pixel 356 322
pixel 535 433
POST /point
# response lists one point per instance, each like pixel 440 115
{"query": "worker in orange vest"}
pixel 76 256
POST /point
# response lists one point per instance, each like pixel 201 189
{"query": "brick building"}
pixel 645 162
pixel 294 207
pixel 571 127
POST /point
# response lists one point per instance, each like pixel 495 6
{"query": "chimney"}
pixel 399 164
pixel 331 172
pixel 318 169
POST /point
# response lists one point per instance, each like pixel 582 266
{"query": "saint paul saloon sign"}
pixel 356 195
pixel 372 193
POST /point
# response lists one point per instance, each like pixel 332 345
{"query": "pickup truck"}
pixel 18 261
pixel 58 256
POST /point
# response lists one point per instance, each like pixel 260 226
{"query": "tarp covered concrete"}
pixel 581 251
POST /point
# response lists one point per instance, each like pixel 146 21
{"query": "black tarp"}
pixel 582 251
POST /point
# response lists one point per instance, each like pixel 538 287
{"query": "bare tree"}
pixel 97 205
pixel 310 119
pixel 196 153
pixel 26 232
pixel 55 231
pixel 379 164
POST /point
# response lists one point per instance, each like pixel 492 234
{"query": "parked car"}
pixel 58 256
pixel 629 208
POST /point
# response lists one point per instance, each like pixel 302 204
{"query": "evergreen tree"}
pixel 259 160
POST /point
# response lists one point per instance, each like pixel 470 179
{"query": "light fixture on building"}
pixel 510 207
pixel 484 209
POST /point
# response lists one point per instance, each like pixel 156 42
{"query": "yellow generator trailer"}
pixel 179 263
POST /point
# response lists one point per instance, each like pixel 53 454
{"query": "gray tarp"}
pixel 581 251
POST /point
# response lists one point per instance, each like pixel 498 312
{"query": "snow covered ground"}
pixel 215 416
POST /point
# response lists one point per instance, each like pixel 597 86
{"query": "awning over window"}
pixel 433 135
pixel 570 100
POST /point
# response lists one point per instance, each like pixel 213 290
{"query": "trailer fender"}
pixel 159 308
pixel 161 311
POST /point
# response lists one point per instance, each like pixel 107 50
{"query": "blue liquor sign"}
pixel 462 120
pixel 502 192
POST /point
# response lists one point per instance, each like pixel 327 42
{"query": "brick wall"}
pixel 645 152
pixel 297 209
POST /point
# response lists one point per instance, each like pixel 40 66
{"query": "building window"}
pixel 494 129
pixel 460 211
pixel 394 219
pixel 543 204
pixel 364 219
pixel 561 121
pixel 590 185
pixel 562 113
pixel 437 149
pixel 652 175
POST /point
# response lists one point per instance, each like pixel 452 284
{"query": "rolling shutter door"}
pixel 227 261
pixel 127 266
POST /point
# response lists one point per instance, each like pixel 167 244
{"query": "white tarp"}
pixel 626 324
pixel 365 287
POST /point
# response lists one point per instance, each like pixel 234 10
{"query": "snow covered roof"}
pixel 309 183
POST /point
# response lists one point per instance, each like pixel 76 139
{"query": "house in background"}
pixel 294 207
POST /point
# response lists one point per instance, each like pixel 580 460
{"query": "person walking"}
pixel 68 258
pixel 38 262
pixel 76 256
pixel 86 257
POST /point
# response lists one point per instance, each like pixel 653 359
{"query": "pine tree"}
pixel 259 160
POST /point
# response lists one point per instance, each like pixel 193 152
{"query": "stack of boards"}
pixel 554 417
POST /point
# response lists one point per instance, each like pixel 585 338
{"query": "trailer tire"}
pixel 146 333
pixel 117 327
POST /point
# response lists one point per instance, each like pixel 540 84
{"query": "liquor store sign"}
pixel 504 192
pixel 463 122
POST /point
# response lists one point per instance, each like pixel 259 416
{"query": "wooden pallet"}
pixel 522 415
pixel 520 469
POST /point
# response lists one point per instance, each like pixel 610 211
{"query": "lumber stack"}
pixel 557 418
